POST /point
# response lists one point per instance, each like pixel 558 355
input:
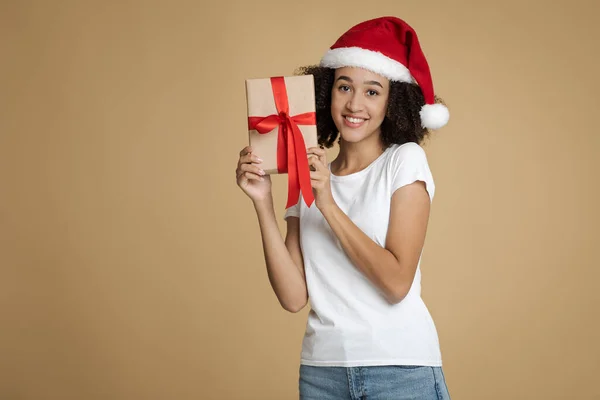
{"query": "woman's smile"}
pixel 354 122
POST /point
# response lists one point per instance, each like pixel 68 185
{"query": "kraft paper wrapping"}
pixel 260 101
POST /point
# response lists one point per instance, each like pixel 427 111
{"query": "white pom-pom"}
pixel 434 116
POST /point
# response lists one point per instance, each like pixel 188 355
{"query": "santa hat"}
pixel 389 47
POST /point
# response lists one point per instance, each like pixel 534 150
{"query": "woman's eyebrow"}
pixel 373 83
pixel 345 78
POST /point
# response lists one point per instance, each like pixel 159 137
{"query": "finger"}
pixel 252 177
pixel 243 173
pixel 315 159
pixel 320 153
pixel 250 158
pixel 311 162
pixel 251 168
pixel 316 150
pixel 319 175
pixel 317 164
pixel 246 150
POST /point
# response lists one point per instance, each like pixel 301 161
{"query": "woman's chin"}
pixel 353 135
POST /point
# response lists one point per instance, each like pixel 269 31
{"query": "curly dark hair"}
pixel 401 124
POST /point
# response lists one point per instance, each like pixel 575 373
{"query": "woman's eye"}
pixel 372 93
pixel 344 88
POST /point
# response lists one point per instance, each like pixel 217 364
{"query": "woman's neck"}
pixel 354 157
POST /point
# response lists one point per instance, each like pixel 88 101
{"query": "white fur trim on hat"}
pixel 367 59
pixel 434 116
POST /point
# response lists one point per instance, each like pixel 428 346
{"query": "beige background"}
pixel 131 265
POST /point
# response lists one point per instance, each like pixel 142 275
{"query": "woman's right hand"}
pixel 250 177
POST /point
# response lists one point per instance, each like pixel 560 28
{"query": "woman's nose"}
pixel 354 104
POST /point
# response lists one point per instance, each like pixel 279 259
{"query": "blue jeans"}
pixel 373 383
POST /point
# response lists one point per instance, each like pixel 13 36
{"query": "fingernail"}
pixel 262 172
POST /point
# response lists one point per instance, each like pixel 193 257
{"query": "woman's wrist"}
pixel 263 203
pixel 328 208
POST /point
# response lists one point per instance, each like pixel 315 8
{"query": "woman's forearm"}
pixel 286 277
pixel 378 264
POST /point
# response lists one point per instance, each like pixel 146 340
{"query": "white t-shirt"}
pixel 350 322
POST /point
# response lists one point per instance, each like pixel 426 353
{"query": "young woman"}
pixel 355 253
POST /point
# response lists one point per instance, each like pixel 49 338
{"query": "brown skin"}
pixel 361 94
pixel 391 268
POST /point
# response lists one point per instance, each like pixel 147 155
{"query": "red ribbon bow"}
pixel 291 149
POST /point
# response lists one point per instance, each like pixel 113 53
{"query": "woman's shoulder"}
pixel 408 163
pixel 410 151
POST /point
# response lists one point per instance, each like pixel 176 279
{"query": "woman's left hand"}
pixel 319 177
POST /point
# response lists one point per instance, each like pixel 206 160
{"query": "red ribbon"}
pixel 291 149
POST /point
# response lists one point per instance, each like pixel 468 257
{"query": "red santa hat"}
pixel 389 47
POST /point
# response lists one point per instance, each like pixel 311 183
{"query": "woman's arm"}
pixel 285 266
pixel 392 269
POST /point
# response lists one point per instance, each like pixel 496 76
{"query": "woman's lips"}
pixel 353 122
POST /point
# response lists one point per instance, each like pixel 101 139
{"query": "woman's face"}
pixel 358 103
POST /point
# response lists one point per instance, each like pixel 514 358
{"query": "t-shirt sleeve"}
pixel 293 211
pixel 409 165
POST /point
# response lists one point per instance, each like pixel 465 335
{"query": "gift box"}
pixel 282 126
